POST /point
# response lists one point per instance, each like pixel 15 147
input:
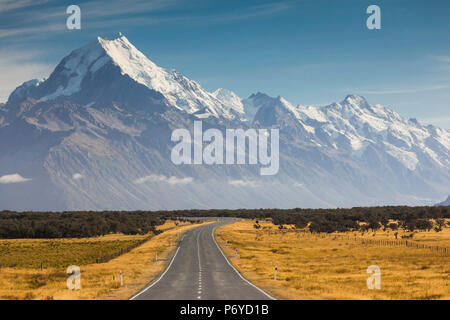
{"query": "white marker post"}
pixel 276 270
pixel 156 256
pixel 236 253
pixel 121 279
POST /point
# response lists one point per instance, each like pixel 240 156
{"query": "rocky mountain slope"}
pixel 444 203
pixel 97 135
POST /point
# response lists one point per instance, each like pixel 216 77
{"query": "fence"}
pixel 379 242
pixel 404 243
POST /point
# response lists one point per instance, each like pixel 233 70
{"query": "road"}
pixel 200 271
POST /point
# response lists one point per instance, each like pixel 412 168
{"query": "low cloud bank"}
pixel 13 178
pixel 161 178
pixel 244 183
pixel 77 176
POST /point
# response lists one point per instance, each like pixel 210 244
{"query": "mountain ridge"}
pixel 108 123
pixel 444 203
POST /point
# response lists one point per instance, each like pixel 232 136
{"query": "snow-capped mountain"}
pixel 81 77
pixel 97 135
pixel 353 125
pixel 230 100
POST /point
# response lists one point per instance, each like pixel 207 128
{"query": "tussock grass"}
pixel 98 281
pixel 58 253
pixel 316 267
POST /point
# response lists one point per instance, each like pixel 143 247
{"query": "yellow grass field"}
pixel 30 253
pixel 330 267
pixel 98 280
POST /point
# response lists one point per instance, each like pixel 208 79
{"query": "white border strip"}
pixel 226 259
pixel 156 281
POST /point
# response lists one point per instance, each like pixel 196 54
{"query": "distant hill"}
pixel 444 203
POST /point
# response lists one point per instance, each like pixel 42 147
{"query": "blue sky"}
pixel 311 52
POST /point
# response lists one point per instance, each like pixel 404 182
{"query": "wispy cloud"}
pixel 7 5
pixel 161 178
pixel 111 13
pixel 403 90
pixel 42 19
pixel 32 30
pixel 244 183
pixel 256 11
pixel 440 120
pixel 110 8
pixel 445 59
pixel 77 176
pixel 243 14
pixel 12 178
pixel 17 67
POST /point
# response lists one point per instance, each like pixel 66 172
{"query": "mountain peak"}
pixel 108 63
pixel 229 99
pixel 89 62
pixel 117 41
pixel 25 89
pixel 355 99
pixel 115 36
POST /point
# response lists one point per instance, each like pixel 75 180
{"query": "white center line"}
pixel 199 268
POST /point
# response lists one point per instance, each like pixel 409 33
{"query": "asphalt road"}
pixel 200 271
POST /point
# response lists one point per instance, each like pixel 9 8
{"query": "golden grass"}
pixel 312 267
pixel 30 253
pixel 98 281
pixel 431 238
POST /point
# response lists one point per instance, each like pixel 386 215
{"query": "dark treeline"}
pixel 368 218
pixel 353 219
pixel 94 223
pixel 75 224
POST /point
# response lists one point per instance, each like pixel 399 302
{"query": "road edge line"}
pixel 157 280
pixel 239 274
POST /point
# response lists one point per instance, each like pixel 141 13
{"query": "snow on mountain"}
pixel 229 99
pixel 354 119
pixel 179 90
pixel 353 125
pixel 259 100
pixel 90 61
pixel 107 112
pixel 24 90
